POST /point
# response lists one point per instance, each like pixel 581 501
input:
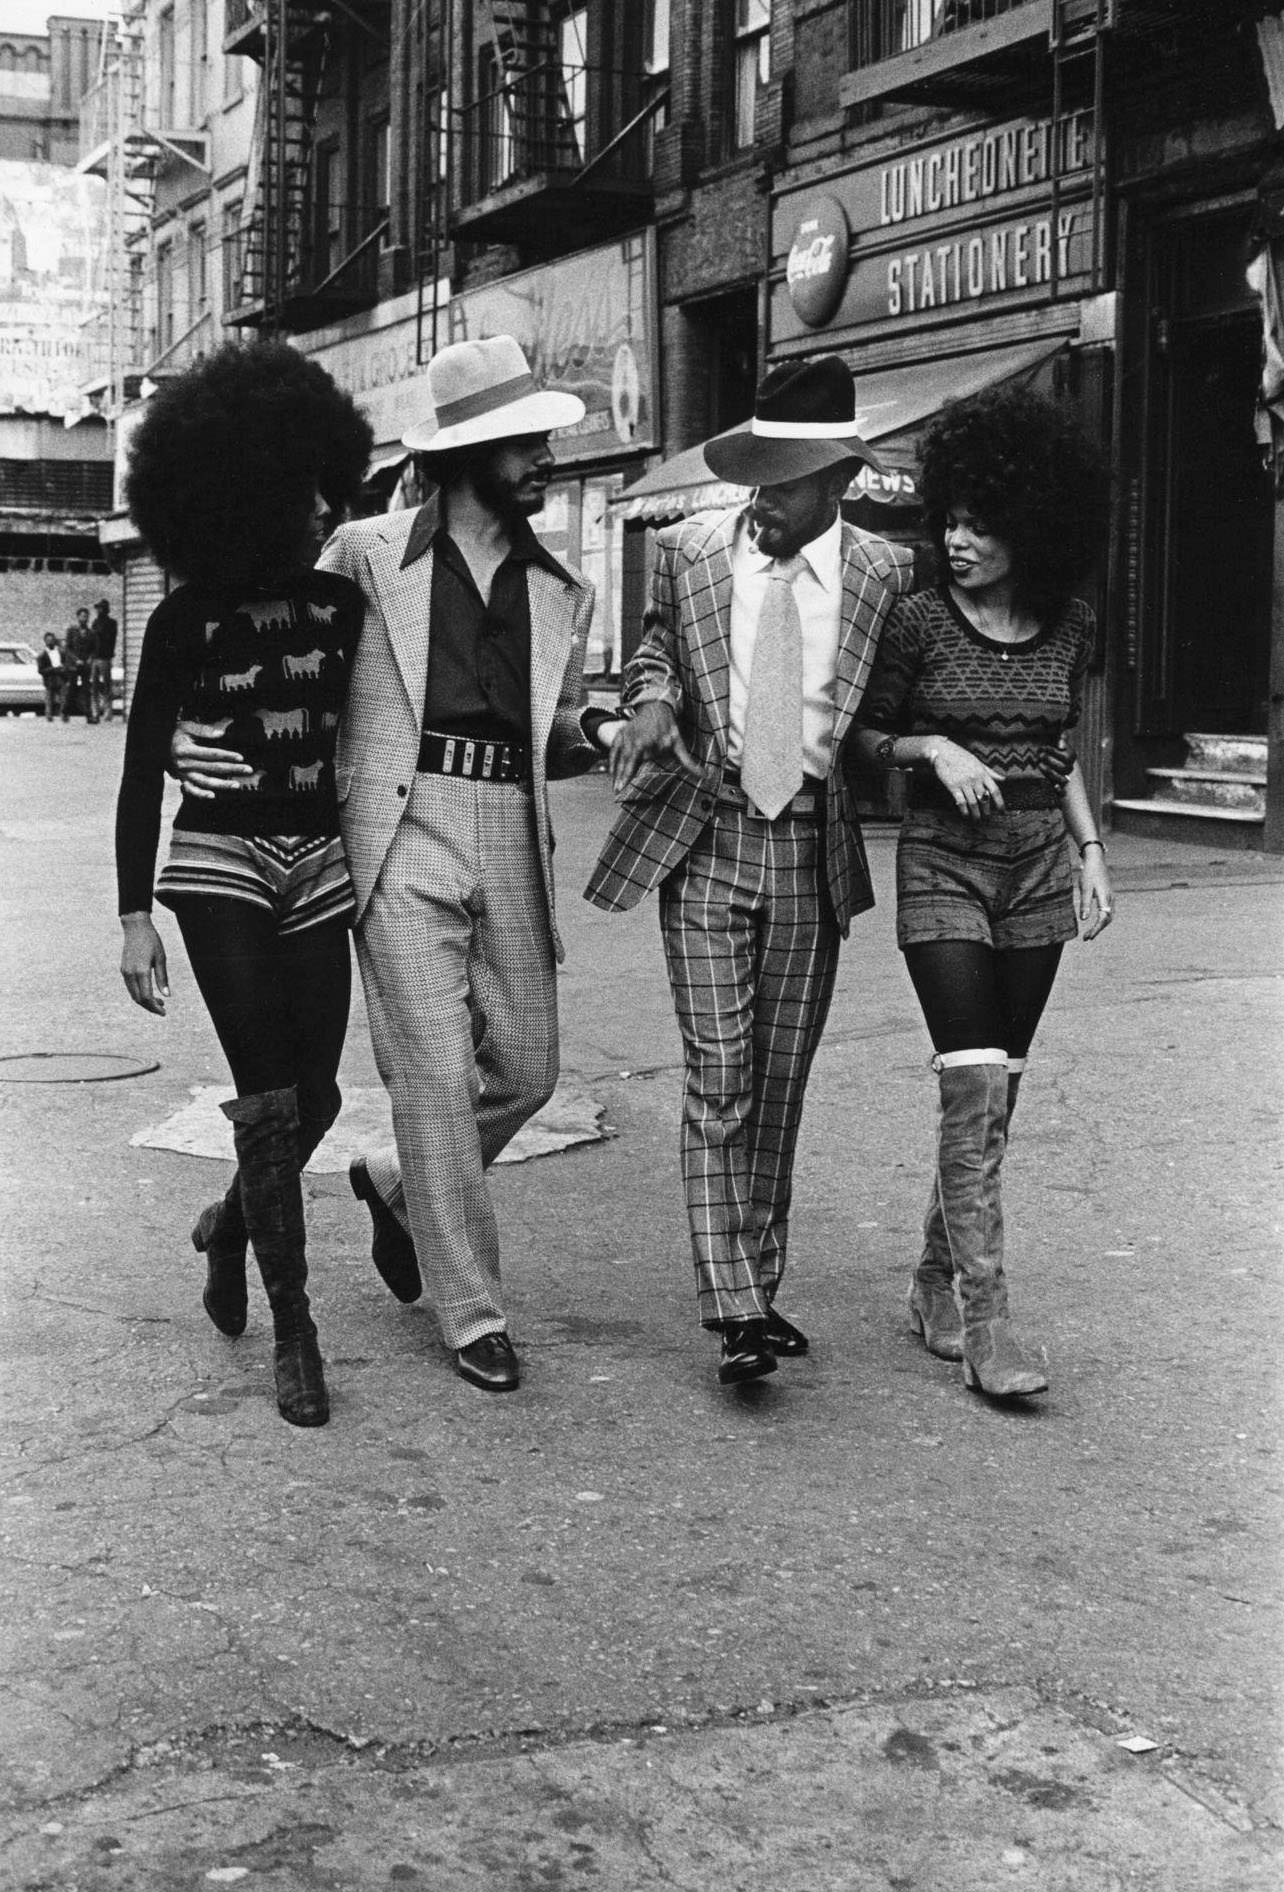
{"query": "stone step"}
pixel 1199 811
pixel 1228 755
pixel 1212 788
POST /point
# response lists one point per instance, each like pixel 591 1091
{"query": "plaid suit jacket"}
pixel 684 659
pixel 391 558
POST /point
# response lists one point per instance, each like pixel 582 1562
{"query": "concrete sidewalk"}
pixel 849 1628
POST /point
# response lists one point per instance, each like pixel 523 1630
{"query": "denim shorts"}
pixel 1004 880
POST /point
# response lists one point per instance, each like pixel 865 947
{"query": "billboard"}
pixel 53 240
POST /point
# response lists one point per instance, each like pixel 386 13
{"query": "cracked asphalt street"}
pixel 850 1628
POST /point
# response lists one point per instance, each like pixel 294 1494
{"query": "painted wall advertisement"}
pixel 52 282
pixel 959 226
pixel 588 327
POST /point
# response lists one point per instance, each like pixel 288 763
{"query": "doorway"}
pixel 1210 504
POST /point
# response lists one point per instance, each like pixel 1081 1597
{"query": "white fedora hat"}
pixel 485 391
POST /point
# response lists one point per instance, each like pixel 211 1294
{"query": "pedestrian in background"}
pixel 53 674
pixel 735 802
pixel 79 646
pixel 104 630
pixel 974 689
pixel 234 472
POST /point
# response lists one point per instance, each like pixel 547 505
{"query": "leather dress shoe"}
pixel 746 1352
pixel 784 1339
pixel 391 1249
pixel 489 1363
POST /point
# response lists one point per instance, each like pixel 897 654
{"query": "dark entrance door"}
pixel 1211 509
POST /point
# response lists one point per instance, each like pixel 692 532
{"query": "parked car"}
pixel 21 685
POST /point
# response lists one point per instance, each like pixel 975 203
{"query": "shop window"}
pixel 752 65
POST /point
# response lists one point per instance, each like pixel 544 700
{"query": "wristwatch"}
pixel 883 752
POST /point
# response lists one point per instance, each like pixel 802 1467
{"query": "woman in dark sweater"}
pixel 974 688
pixel 234 472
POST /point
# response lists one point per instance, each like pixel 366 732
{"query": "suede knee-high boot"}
pixel 974 1117
pixel 220 1233
pixel 933 1306
pixel 266 1131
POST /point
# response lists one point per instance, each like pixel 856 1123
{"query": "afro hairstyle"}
pixel 1023 468
pixel 225 465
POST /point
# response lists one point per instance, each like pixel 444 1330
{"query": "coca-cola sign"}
pixel 817 269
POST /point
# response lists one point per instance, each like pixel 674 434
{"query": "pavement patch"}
pixel 572 1115
pixel 953 1792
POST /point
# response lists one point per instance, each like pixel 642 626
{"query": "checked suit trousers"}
pixel 457 962
pixel 752 952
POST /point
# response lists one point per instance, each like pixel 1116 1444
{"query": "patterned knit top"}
pixel 936 674
pixel 277 664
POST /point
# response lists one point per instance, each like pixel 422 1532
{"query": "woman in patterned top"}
pixel 233 473
pixel 973 690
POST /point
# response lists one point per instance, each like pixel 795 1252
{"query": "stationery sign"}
pixel 955 226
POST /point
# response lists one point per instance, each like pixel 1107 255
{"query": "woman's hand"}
pixel 142 963
pixel 203 770
pixel 651 735
pixel 1096 903
pixel 977 791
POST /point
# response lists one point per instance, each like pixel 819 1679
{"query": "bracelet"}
pixel 1093 841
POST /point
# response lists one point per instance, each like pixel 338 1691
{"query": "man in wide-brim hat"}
pixel 757 641
pixel 467 694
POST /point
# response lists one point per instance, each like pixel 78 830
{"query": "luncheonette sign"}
pixel 968 223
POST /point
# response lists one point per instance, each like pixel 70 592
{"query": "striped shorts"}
pixel 1004 880
pixel 300 879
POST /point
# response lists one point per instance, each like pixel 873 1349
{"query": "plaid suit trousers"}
pixel 456 957
pixel 752 951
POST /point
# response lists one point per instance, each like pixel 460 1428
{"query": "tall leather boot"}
pixel 220 1233
pixel 974 1117
pixel 220 1236
pixel 266 1131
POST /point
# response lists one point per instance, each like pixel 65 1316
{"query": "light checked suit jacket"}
pixel 391 558
pixel 684 660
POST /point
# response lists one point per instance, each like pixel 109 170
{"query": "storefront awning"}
pixel 892 405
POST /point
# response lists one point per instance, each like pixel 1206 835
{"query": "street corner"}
pixel 962 1789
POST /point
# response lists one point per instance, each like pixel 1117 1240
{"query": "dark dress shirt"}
pixel 479 652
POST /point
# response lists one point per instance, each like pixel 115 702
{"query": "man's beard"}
pixel 505 497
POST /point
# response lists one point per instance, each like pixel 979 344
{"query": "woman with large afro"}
pixel 235 471
pixel 974 688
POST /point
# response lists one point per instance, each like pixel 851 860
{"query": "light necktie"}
pixel 771 765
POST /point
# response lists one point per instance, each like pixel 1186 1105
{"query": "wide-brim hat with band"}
pixel 485 391
pixel 804 420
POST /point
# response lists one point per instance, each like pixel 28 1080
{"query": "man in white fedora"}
pixel 467 695
pixel 756 646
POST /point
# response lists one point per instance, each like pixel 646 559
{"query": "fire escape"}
pixel 124 141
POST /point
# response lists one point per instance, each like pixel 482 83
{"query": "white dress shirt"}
pixel 818 590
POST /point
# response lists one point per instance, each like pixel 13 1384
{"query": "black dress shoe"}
pixel 784 1339
pixel 746 1353
pixel 489 1363
pixel 391 1249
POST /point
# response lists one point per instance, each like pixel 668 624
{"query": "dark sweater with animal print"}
pixel 936 674
pixel 274 666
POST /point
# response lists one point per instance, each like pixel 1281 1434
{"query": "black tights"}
pixel 974 997
pixel 279 1002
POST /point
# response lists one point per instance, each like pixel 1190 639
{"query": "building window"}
pixel 233 257
pixel 572 40
pixel 655 71
pixel 198 28
pixel 753 64
pixel 327 237
pixel 378 176
pixel 198 287
pixel 163 333
pixel 165 69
